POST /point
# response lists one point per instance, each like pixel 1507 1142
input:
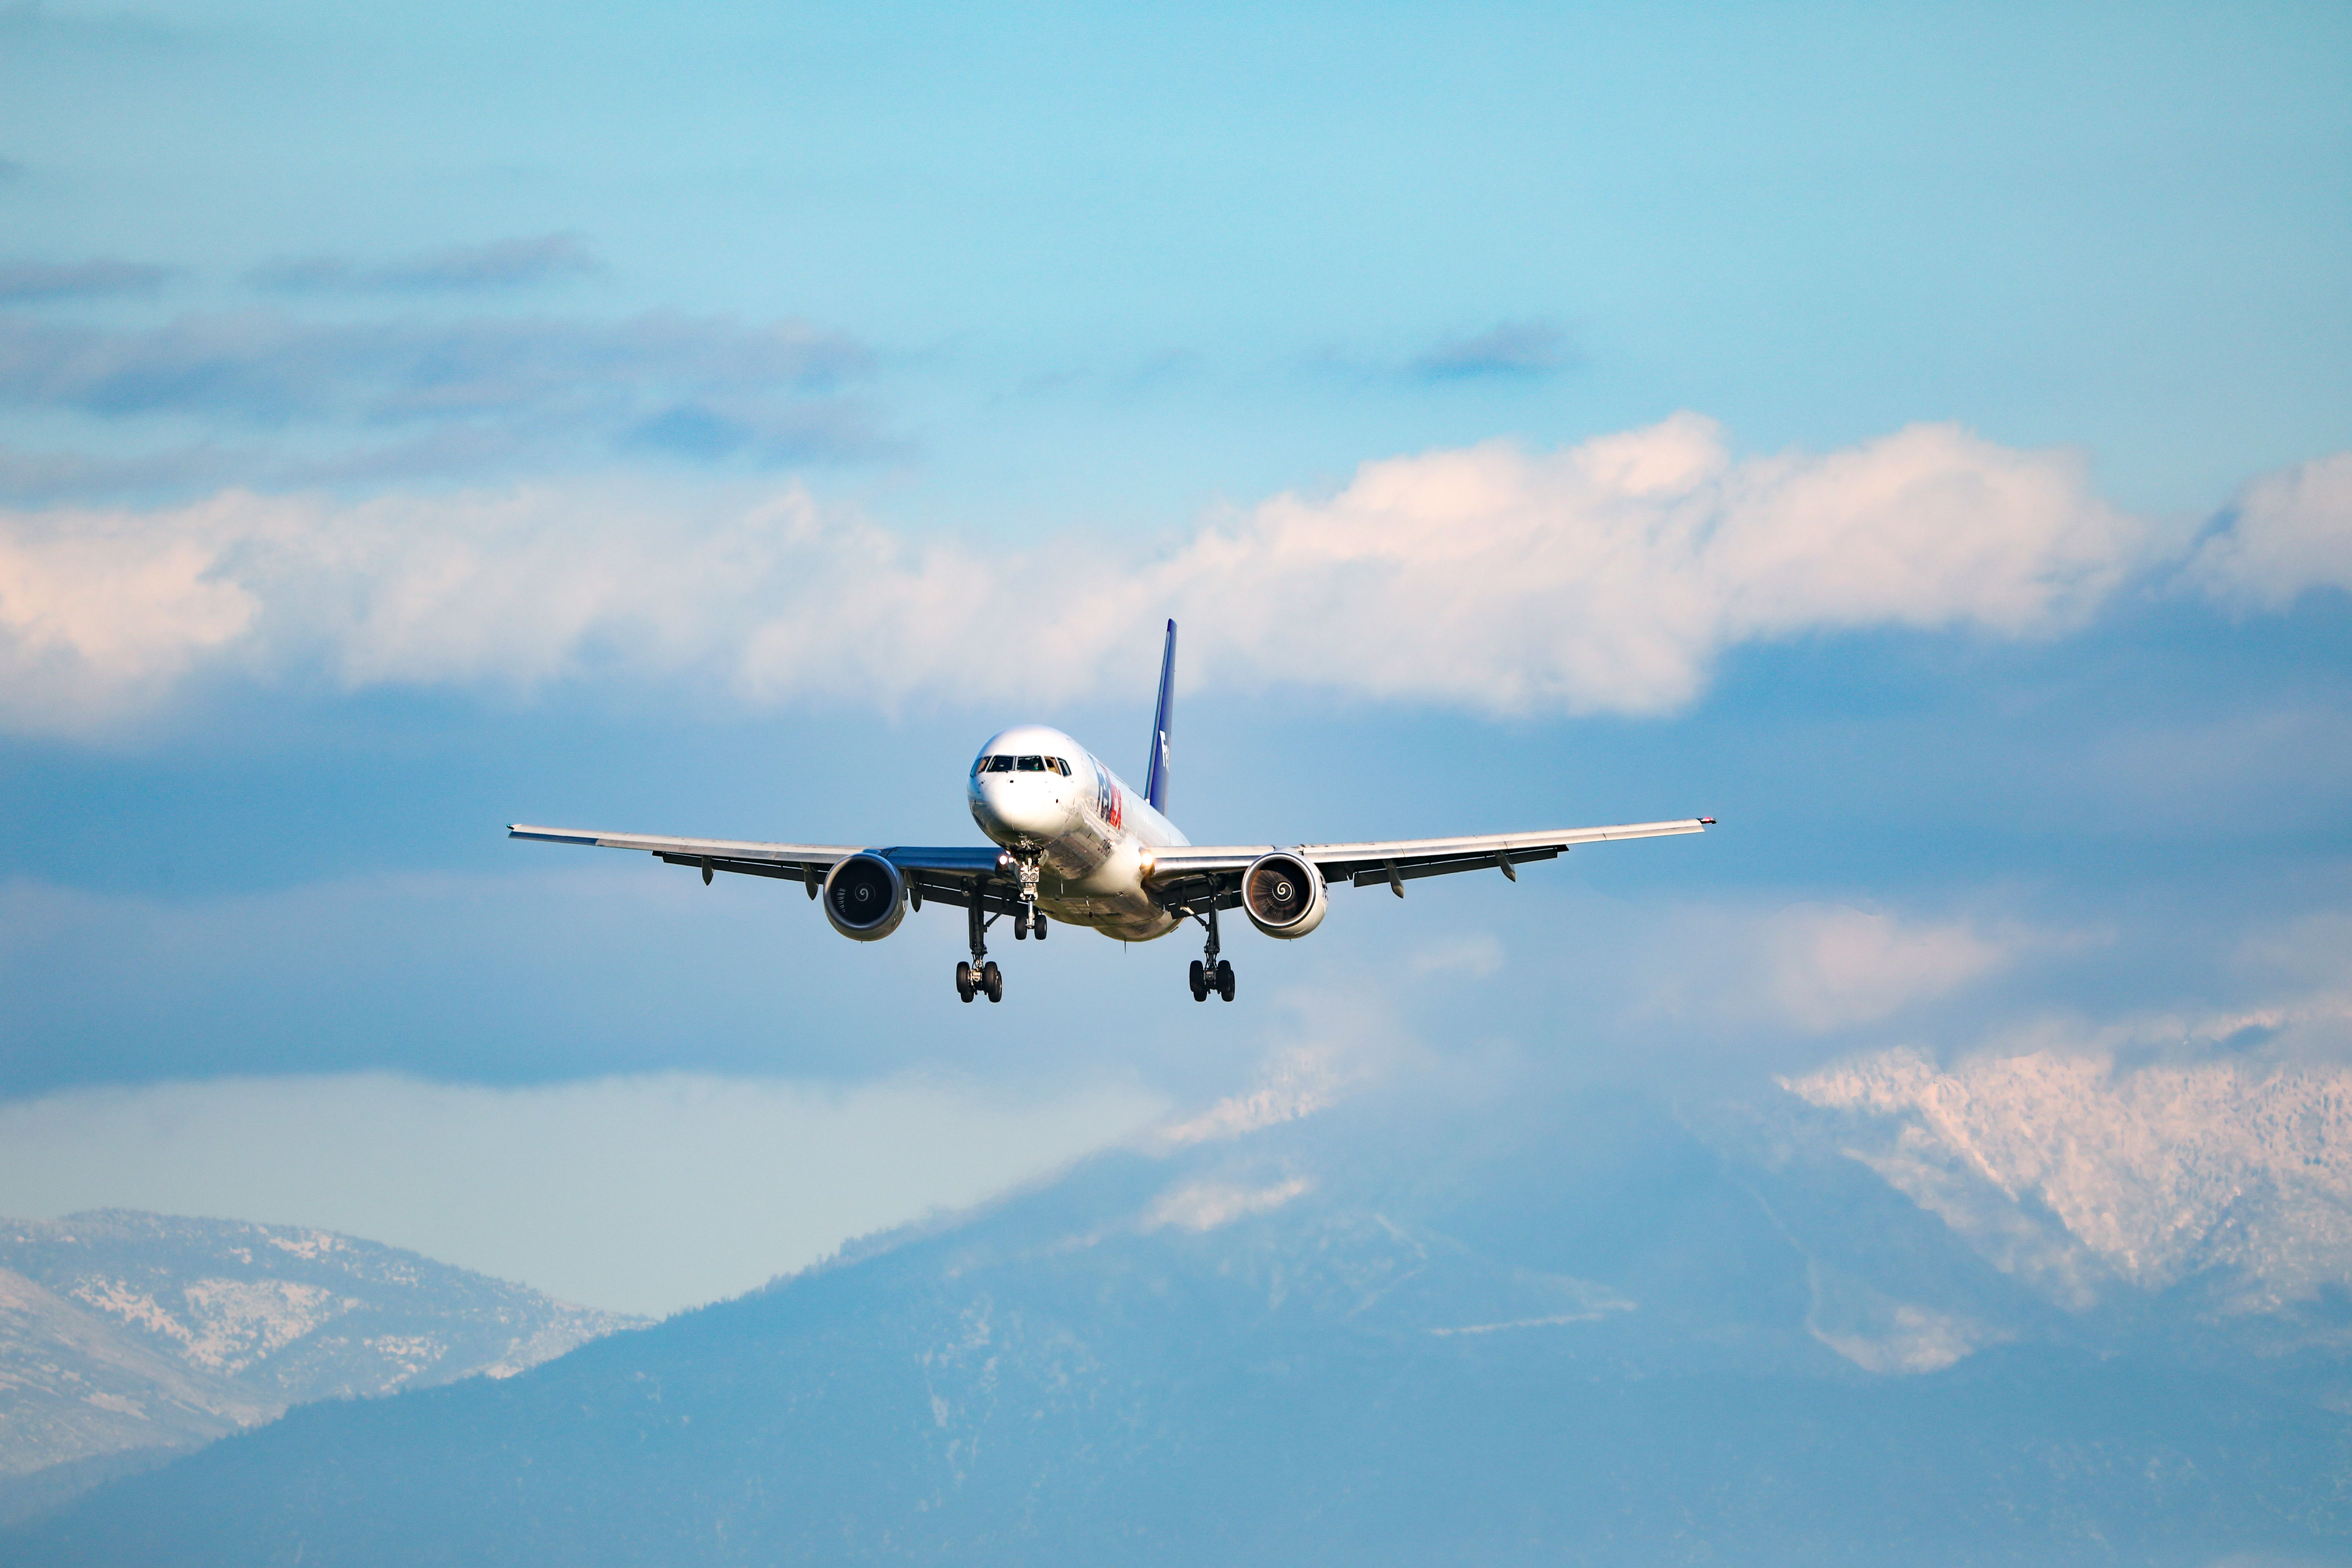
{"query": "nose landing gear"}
pixel 980 977
pixel 1026 914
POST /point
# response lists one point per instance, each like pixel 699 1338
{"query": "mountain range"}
pixel 2045 1308
pixel 128 1338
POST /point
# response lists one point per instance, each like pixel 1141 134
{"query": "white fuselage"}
pixel 1094 834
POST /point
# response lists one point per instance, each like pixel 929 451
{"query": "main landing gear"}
pixel 980 977
pixel 985 981
pixel 1209 972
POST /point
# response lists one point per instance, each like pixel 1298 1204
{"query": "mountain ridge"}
pixel 123 1331
pixel 1576 1326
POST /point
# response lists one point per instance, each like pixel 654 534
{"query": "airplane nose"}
pixel 1022 803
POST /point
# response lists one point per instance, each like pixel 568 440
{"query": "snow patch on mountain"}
pixel 1205 1205
pixel 122 1331
pixel 245 1320
pixel 1297 1084
pixel 2074 1173
pixel 305 1243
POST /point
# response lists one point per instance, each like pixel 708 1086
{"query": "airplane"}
pixel 1069 839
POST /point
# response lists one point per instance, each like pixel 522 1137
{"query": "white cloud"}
pixel 1829 966
pixel 642 1193
pixel 1607 576
pixel 2293 532
pixel 1296 1084
pixel 102 613
pixel 1602 577
pixel 1883 1335
pixel 1205 1205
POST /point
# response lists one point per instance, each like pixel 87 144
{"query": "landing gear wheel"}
pixel 1020 923
pixel 1037 922
pixel 963 980
pixel 991 980
pixel 1224 980
pixel 1200 981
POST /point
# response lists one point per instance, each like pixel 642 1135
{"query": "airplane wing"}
pixel 951 874
pixel 1204 873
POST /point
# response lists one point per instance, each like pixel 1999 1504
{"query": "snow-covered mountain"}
pixel 2077 1174
pixel 2042 1309
pixel 125 1337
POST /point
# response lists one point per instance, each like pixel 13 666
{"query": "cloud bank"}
pixel 1831 966
pixel 267 367
pixel 307 403
pixel 2292 531
pixel 1505 349
pixel 502 264
pixel 1604 577
pixel 27 282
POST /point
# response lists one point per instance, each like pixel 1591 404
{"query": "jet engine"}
pixel 1283 894
pixel 864 897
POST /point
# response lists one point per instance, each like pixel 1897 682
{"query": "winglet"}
pixel 1155 782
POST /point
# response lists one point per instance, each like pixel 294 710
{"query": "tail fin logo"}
pixel 1155 782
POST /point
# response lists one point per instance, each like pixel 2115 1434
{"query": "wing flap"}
pixel 808 871
pixel 1406 870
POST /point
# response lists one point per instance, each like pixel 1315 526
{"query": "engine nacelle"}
pixel 1283 894
pixel 864 897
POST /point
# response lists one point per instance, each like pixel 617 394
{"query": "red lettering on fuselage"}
pixel 1109 804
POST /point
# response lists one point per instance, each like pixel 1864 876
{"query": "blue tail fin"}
pixel 1155 782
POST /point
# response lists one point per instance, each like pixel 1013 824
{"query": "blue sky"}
pixel 1915 438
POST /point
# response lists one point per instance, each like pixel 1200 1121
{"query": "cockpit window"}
pixel 999 764
pixel 1032 765
pixel 1059 765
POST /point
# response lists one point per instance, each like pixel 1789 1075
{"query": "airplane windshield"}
pixel 999 764
pixel 1032 765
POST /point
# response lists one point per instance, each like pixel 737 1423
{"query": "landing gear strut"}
pixel 1027 916
pixel 980 977
pixel 1210 972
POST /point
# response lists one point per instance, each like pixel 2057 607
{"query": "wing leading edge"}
pixel 952 874
pixel 1212 872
